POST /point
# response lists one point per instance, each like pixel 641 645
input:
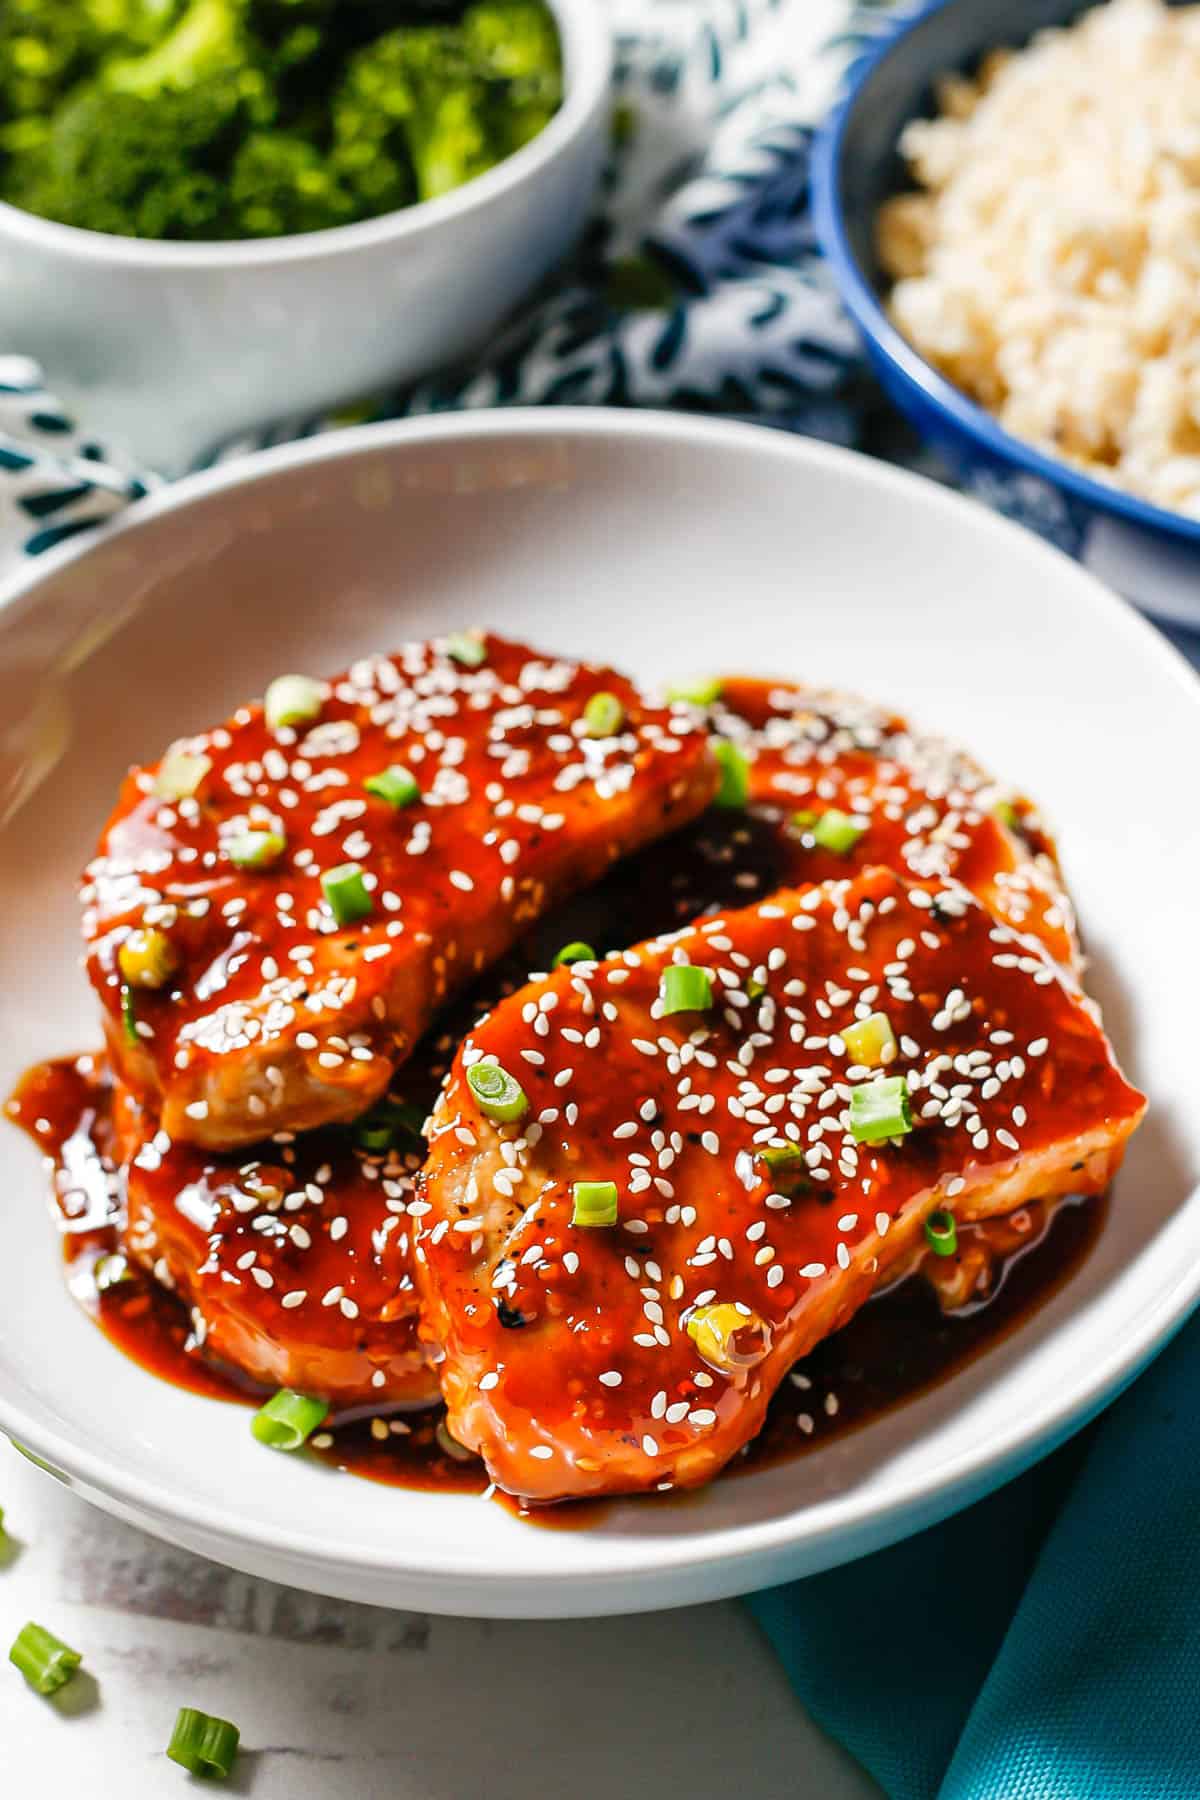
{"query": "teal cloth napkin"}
pixel 1044 1645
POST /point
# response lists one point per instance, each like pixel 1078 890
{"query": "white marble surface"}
pixel 344 1702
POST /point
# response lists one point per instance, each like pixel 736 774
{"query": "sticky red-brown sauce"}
pixel 899 1345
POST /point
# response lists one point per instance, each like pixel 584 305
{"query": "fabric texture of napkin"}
pixel 1045 1644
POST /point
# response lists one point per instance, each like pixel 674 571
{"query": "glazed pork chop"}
pixel 295 1262
pixel 280 905
pixel 847 784
pixel 656 1181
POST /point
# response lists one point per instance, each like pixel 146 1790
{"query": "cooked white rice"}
pixel 1050 264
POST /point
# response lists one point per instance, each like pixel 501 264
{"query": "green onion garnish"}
pixel 292 700
pixel 395 785
pixel 44 1660
pixel 203 1745
pixel 387 1124
pixel 287 1419
pixel 785 1164
pixel 755 989
pixel 109 1271
pixel 1008 815
pixel 498 1094
pixel 180 774
pixel 871 1041
pixel 594 1203
pixel 714 1329
pixel 346 892
pixel 684 988
pixel 256 849
pixel 704 692
pixel 147 957
pixel 832 830
pixel 573 953
pixel 467 648
pixel 941 1233
pixel 129 1013
pixel 603 716
pixel 734 790
pixel 880 1110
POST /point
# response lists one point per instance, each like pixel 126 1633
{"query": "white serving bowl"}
pixel 673 546
pixel 167 348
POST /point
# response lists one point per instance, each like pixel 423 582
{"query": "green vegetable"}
pixel 603 716
pixel 219 119
pixel 594 1203
pixel 498 1094
pixel 871 1041
pixel 832 830
pixel 287 1419
pixel 466 648
pixel 704 692
pixel 346 893
pixel 685 989
pixel 203 1745
pixel 735 775
pixel 399 787
pixel 573 953
pixel 292 700
pixel 256 849
pixel 391 1122
pixel 941 1233
pixel 44 1660
pixel 879 1110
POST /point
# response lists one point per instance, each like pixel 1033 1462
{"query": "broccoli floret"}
pixel 46 46
pixel 515 42
pixel 282 184
pixel 413 99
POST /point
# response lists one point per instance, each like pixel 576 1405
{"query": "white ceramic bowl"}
pixel 673 546
pixel 168 348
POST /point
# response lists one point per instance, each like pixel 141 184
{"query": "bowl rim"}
pixel 865 307
pixel 939 1489
pixel 587 46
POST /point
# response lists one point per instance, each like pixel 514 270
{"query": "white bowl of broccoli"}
pixel 215 212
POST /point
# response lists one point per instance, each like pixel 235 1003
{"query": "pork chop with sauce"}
pixel 656 1181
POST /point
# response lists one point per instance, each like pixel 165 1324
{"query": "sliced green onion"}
pixel 129 1013
pixel 44 1660
pixel 573 953
pixel 603 716
pixel 256 849
pixel 941 1233
pixel 594 1203
pixel 785 1164
pixel 346 893
pixel 147 958
pixel 684 988
pixel 734 790
pixel 1008 815
pixel 871 1041
pixel 832 830
pixel 180 773
pixel 109 1271
pixel 203 1745
pixel 389 1123
pixel 714 1329
pixel 704 692
pixel 498 1094
pixel 755 989
pixel 880 1110
pixel 287 1419
pixel 467 648
pixel 292 700
pixel 399 787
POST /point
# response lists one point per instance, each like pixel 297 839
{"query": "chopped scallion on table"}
pixel 684 988
pixel 573 953
pixel 398 786
pixel 498 1094
pixel 346 893
pixel 941 1233
pixel 880 1110
pixel 287 1419
pixel 594 1203
pixel 203 1745
pixel 735 775
pixel 292 700
pixel 44 1660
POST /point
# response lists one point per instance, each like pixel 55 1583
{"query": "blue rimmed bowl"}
pixel 857 166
